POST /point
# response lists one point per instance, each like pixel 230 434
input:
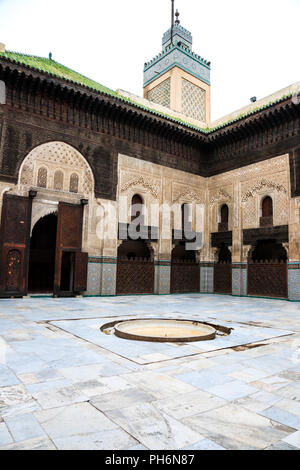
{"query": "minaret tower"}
pixel 178 78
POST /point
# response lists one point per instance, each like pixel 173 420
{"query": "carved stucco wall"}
pixel 54 157
pixel 62 167
pixel 158 185
pixel 243 190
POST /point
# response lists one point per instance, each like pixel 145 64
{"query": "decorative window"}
pixel 2 92
pixel 266 212
pixel 42 177
pixel 224 216
pixel 58 180
pixel 267 207
pixel 136 207
pixel 193 101
pixel 74 183
pixel 186 217
pixel 161 93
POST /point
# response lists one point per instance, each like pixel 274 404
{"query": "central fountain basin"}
pixel 158 330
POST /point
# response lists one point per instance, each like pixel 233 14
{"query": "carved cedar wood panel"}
pixel 135 276
pixel 223 278
pixel 185 276
pixel 267 280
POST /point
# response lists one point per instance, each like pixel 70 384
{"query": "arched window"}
pixel 266 212
pixel 267 207
pixel 186 219
pixel 224 216
pixel 136 207
pixel 74 183
pixel 42 177
pixel 58 180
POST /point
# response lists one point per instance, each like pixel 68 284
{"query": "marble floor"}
pixel 66 385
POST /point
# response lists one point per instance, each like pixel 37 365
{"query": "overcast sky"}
pixel 253 44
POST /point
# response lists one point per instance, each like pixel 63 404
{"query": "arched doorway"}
pixel 223 271
pixel 185 270
pixel 135 268
pixel 42 255
pixel 267 270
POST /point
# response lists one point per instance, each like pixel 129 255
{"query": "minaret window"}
pixel 193 101
pixel 161 93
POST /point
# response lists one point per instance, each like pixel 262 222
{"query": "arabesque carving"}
pixel 189 195
pixel 141 181
pixel 220 195
pixel 263 184
pixel 62 157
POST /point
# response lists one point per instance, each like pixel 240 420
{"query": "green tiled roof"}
pixel 58 70
pixel 55 69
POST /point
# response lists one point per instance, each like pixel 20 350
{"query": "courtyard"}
pixel 65 384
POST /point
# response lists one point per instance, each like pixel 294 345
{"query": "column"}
pixel 293 250
pixel 162 279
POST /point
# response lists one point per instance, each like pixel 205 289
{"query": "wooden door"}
pixel 185 276
pixel 223 278
pixel 14 245
pixel 70 263
pixel 80 272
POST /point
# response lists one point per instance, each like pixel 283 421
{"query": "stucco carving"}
pixel 261 185
pixel 220 195
pixel 57 156
pixel 253 171
pixel 189 196
pixel 141 181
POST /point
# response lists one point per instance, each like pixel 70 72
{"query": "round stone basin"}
pixel 181 331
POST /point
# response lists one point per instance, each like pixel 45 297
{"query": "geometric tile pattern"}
pixel 94 278
pixel 161 93
pixel 162 279
pixel 193 101
pixel 206 279
pixel 294 284
pixel 109 276
pixel 239 280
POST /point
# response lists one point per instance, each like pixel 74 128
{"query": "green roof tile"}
pixel 55 69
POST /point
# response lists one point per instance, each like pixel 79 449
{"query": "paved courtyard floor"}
pixel 64 384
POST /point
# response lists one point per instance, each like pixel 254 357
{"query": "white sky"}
pixel 253 45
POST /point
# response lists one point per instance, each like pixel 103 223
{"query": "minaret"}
pixel 178 78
